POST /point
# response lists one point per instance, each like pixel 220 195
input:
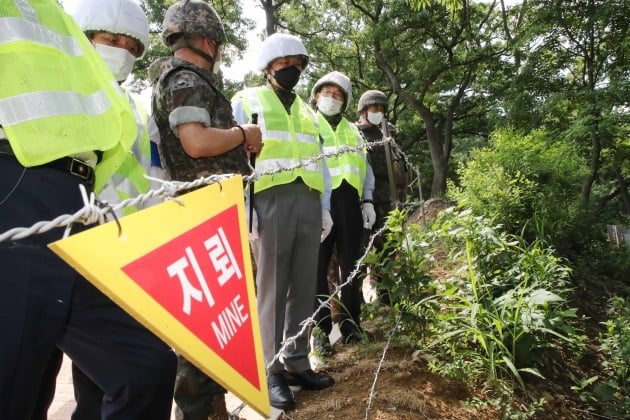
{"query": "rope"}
pixel 94 211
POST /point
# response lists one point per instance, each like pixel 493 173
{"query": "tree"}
pixel 426 60
pixel 577 68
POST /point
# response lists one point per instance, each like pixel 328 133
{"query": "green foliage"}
pixel 423 4
pixel 400 268
pixel 490 320
pixel 609 395
pixel 504 299
pixel 528 184
pixel 614 389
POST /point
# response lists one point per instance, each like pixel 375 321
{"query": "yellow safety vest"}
pixel 129 179
pixel 350 166
pixel 57 97
pixel 290 139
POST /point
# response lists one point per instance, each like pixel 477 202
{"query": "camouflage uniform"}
pixel 377 158
pixel 183 84
pixel 381 197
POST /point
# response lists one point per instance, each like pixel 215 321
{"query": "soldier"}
pixel 351 209
pixel 198 137
pixel 291 217
pixel 372 107
pixel 60 115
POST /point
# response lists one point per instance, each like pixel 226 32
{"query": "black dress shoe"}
pixel 280 395
pixel 310 380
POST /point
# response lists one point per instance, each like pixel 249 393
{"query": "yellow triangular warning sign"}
pixel 183 270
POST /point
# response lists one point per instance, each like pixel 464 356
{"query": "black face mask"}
pixel 287 77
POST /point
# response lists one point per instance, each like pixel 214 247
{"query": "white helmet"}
pixel 338 79
pixel 279 45
pixel 121 17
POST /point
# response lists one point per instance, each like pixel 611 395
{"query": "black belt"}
pixel 67 164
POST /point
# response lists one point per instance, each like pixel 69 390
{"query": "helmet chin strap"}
pixel 205 55
pixel 183 43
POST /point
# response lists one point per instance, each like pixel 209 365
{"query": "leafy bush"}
pixel 497 302
pixel 525 183
pixel 401 268
pixel 505 297
pixel 614 389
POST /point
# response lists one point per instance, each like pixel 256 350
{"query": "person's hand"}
pixel 253 234
pixel 369 215
pixel 253 138
pixel 327 224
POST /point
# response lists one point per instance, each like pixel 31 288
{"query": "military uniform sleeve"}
pixel 191 100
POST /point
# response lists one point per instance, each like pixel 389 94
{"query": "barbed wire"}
pixel 95 211
pixel 326 302
pixel 380 365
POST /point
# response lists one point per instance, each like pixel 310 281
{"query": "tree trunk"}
pixel 587 185
pixel 589 65
pixel 436 150
pixel 270 15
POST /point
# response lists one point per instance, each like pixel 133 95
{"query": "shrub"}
pixel 497 302
pixel 528 184
pixel 614 390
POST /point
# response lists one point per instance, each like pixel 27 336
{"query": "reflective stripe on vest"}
pixel 129 178
pixel 290 140
pixel 57 97
pixel 350 166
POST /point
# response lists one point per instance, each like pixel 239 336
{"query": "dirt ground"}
pixel 375 383
pixel 397 387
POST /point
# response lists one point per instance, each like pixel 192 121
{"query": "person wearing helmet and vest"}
pixel 119 32
pixel 291 215
pixel 61 111
pixel 372 107
pixel 351 209
pixel 198 137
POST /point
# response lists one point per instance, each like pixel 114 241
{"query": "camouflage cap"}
pixel 192 17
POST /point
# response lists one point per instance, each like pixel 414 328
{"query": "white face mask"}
pixel 375 118
pixel 118 60
pixel 329 106
pixel 217 65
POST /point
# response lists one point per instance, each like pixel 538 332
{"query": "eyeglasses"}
pixel 337 94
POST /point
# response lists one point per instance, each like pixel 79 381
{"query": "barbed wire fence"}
pixel 95 211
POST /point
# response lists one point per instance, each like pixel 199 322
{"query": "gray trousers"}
pixel 286 251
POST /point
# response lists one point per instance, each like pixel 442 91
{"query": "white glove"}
pixel 253 235
pixel 327 224
pixel 369 215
